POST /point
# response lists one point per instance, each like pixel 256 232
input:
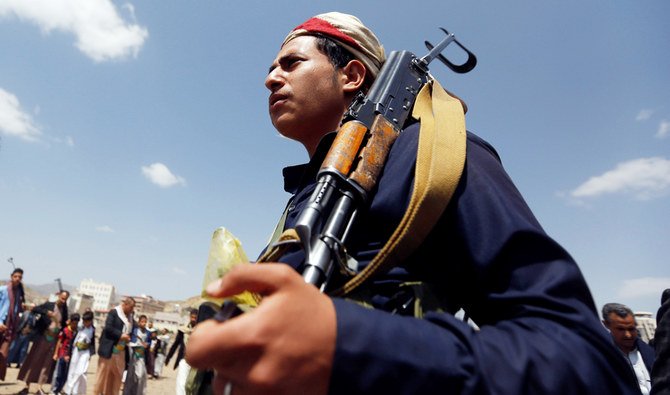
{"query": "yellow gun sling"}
pixel 439 165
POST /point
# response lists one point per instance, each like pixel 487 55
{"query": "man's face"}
pixel 194 318
pixel 88 323
pixel 16 278
pixel 128 307
pixel 306 92
pixel 142 323
pixel 62 298
pixel 623 331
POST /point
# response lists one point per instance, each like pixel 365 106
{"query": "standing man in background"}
pixel 39 364
pixel 620 321
pixel 112 348
pixel 179 347
pixel 12 299
pixel 660 372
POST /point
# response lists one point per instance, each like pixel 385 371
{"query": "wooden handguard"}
pixel 344 150
pixel 373 156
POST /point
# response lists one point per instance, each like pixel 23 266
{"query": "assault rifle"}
pixel 351 168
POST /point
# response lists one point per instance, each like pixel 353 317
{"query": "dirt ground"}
pixel 163 385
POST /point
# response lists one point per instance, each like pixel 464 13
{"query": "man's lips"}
pixel 276 98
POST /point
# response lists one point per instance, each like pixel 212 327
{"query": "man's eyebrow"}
pixel 282 59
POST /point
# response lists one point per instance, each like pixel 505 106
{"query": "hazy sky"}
pixel 130 131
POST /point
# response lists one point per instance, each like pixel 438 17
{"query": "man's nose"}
pixel 274 79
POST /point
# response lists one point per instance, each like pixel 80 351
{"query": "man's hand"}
pixel 125 337
pixel 3 328
pixel 284 346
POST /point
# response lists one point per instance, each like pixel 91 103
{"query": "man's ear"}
pixel 354 76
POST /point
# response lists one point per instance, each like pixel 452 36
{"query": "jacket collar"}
pixel 297 176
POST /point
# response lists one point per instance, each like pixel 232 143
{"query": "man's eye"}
pixel 292 62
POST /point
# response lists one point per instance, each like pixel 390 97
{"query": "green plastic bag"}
pixel 226 252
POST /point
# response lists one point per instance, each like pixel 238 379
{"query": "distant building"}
pixel 169 321
pixel 147 305
pixel 78 303
pixel 646 325
pixel 99 318
pixel 104 295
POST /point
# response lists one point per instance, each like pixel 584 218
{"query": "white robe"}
pixel 159 363
pixel 183 369
pixel 76 377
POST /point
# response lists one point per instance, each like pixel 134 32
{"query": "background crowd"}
pixel 52 348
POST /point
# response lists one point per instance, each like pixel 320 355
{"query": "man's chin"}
pixel 285 128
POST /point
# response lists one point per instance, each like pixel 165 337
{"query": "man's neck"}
pixel 627 350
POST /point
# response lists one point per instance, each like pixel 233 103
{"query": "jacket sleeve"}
pixel 64 316
pixel 134 342
pixel 179 339
pixel 660 373
pixel 110 331
pixel 43 308
pixel 92 349
pixel 4 304
pixel 538 330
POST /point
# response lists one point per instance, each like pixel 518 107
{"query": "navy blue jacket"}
pixel 111 334
pixel 539 331
pixel 660 373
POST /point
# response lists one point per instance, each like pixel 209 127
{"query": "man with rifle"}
pixel 394 332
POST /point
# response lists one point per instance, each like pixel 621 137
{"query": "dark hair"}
pixel 665 295
pixel 87 316
pixel 17 270
pixel 75 317
pixel 338 55
pixel 617 308
pixel 142 316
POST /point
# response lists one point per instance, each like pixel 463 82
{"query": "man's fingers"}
pixel 201 343
pixel 212 344
pixel 262 278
